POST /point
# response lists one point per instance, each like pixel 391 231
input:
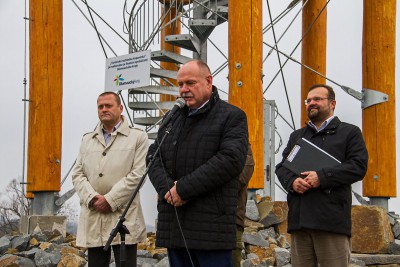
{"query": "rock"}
pixel 142 261
pixel 264 208
pixel 160 253
pixel 269 232
pixel 5 244
pixel 377 259
pixel 255 260
pixel 253 224
pixel 28 254
pixel 20 242
pixel 394 248
pixel 72 250
pixel 43 259
pixel 163 263
pixel 71 260
pixel 252 211
pixel 396 230
pixel 254 239
pixel 356 263
pixel 371 230
pixel 262 253
pixel 283 242
pixel 14 260
pixel 277 214
pixel 282 256
pixel 142 253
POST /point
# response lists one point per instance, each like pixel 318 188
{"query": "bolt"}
pixel 239 83
pixel 238 65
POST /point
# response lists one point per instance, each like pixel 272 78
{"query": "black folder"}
pixel 305 156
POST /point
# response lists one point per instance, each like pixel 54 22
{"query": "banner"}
pixel 128 71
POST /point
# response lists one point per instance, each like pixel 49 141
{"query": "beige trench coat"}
pixel 113 171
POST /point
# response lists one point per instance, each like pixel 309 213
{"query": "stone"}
pixel 376 259
pixel 14 260
pixel 264 208
pixel 253 224
pixel 262 253
pixel 283 242
pixel 28 254
pixel 142 261
pixel 356 263
pixel 5 244
pixel 282 256
pixel 255 260
pixel 252 210
pixel 20 242
pixel 71 260
pixel 269 232
pixel 72 250
pixel 142 253
pixel 43 259
pixel 160 253
pixel 394 248
pixel 163 263
pixel 371 230
pixel 277 214
pixel 396 230
pixel 254 239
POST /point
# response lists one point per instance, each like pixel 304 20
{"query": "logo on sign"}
pixel 118 79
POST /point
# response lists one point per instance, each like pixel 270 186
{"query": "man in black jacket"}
pixel 196 173
pixel 319 218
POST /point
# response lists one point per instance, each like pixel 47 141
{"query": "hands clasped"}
pixel 311 180
pixel 173 198
pixel 100 204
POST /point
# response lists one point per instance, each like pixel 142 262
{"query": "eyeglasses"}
pixel 315 99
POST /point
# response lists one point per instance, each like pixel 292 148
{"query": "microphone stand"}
pixel 120 227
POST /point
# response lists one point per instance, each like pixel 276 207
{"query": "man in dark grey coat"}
pixel 196 173
pixel 319 218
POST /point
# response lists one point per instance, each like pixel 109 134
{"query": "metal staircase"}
pixel 198 20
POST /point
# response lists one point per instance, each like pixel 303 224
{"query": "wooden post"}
pixel 173 28
pixel 245 73
pixel 313 49
pixel 379 121
pixel 45 95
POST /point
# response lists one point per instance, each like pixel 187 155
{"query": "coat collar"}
pixel 213 99
pixel 122 129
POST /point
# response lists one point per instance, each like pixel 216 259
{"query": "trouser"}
pixel 199 258
pixel 97 257
pixel 237 252
pixel 313 247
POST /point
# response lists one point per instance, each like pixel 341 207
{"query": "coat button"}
pixel 101 175
pixel 104 153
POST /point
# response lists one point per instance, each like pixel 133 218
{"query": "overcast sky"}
pixel 83 79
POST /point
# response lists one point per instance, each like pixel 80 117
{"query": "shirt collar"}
pixel 323 125
pixel 114 129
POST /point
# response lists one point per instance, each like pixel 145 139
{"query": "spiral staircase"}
pixel 198 20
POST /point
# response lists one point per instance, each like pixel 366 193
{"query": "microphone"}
pixel 179 103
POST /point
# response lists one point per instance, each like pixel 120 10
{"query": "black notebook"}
pixel 305 156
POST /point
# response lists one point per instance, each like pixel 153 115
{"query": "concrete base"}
pixel 40 223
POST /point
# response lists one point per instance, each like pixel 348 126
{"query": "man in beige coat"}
pixel 110 163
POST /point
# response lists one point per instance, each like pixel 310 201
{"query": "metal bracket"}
pixel 368 97
pixel 61 200
pixel 372 97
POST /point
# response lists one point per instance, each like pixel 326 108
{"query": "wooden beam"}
pixel 245 73
pixel 313 49
pixel 379 121
pixel 171 29
pixel 45 95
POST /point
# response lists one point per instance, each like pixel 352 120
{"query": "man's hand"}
pixel 300 185
pixel 101 205
pixel 312 178
pixel 173 198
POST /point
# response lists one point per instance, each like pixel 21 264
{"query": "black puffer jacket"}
pixel 205 153
pixel 328 207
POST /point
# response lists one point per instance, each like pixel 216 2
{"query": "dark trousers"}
pixel 97 257
pixel 200 258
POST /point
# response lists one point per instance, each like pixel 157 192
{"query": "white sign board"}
pixel 128 71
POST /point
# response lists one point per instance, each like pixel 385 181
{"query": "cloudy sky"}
pixel 83 79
